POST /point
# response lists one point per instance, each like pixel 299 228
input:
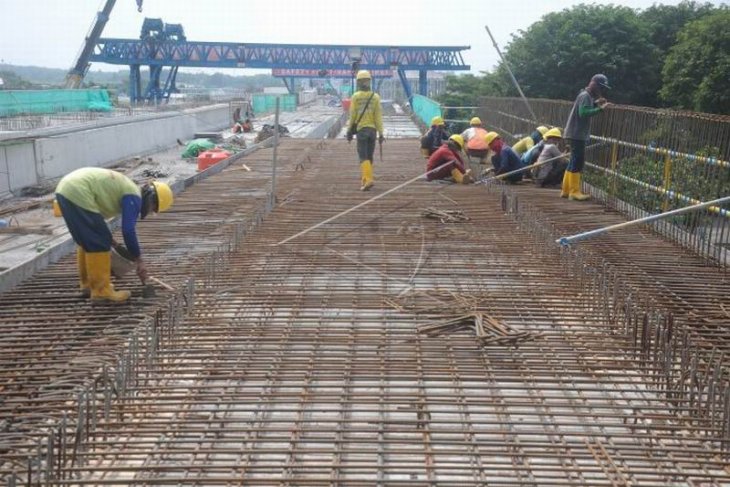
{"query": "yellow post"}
pixel 667 180
pixel 614 164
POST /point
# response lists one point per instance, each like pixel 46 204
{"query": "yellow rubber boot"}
pixel 575 193
pixel 366 168
pixel 460 178
pixel 99 267
pixel 83 273
pixel 565 189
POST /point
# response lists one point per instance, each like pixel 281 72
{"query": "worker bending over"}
pixel 366 121
pixel 589 102
pixel 504 159
pixel 448 158
pixel 86 197
pixel 435 137
pixel 550 173
pixel 527 143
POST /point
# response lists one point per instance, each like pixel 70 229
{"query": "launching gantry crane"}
pixel 76 74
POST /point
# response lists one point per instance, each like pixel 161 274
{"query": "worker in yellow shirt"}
pixel 527 143
pixel 366 121
pixel 86 197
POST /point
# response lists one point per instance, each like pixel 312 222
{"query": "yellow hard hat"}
pixel 458 139
pixel 164 196
pixel 475 121
pixel 363 74
pixel 542 129
pixel 489 138
pixel 554 132
pixel 437 120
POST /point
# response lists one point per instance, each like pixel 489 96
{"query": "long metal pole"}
pixel 509 70
pixel 276 146
pixel 599 231
pixel 360 205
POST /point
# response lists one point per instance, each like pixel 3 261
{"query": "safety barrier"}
pixel 425 109
pixel 645 161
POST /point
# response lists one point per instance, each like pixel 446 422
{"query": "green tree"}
pixel 465 90
pixel 697 68
pixel 557 55
pixel 664 23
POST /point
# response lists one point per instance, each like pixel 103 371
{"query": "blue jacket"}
pixel 507 160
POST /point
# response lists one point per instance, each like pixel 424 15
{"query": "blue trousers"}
pixel 577 155
pixel 88 229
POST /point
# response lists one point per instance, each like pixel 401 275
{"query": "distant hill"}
pixel 54 77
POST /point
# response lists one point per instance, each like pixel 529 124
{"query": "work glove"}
pixel 349 136
pixel 381 139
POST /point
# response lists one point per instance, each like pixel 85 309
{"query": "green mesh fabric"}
pixel 20 102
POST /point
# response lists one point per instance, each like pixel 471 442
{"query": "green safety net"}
pixel 21 102
pixel 425 108
pixel 267 103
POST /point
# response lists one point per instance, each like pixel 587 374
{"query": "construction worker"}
pixel 590 102
pixel 551 173
pixel 527 143
pixel 504 159
pixel 435 137
pixel 448 158
pixel 366 118
pixel 86 197
pixel 476 146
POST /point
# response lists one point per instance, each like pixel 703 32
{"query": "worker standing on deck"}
pixel 527 143
pixel 86 197
pixel 448 158
pixel 550 173
pixel 476 146
pixel 435 137
pixel 590 101
pixel 366 121
pixel 504 159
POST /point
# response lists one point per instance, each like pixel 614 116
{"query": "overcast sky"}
pixel 50 32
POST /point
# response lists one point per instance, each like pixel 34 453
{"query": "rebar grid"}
pixel 295 367
pixel 56 347
pixel 302 365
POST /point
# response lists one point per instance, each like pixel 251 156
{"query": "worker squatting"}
pixel 537 156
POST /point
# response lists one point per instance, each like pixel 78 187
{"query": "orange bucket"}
pixel 211 158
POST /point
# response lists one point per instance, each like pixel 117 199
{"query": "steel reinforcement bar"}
pixel 303 364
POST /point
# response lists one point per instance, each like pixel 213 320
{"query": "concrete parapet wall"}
pixel 27 162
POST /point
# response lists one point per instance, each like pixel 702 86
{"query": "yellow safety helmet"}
pixel 437 120
pixel 542 129
pixel 458 139
pixel 554 132
pixel 164 196
pixel 475 121
pixel 489 138
pixel 363 74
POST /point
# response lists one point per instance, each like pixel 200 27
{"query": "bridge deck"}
pixel 302 364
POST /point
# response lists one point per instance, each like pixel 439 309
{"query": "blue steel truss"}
pixel 179 53
pixel 271 56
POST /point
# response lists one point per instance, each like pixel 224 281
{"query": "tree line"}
pixel 673 56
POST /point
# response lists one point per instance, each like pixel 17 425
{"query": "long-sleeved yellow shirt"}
pixel 373 116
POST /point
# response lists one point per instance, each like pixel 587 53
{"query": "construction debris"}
pixel 488 330
pixel 445 216
pixel 268 131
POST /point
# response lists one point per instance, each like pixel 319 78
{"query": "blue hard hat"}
pixel 601 80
